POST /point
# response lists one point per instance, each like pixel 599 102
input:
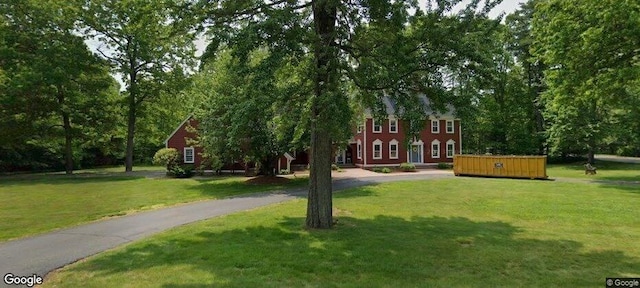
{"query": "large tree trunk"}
pixel 68 137
pixel 319 205
pixel 591 156
pixel 131 119
pixel 131 128
pixel 68 149
pixel 267 167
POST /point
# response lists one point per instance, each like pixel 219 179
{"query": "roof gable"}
pixel 166 141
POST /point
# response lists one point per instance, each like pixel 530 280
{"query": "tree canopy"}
pixel 147 42
pixel 54 87
pixel 591 49
pixel 362 51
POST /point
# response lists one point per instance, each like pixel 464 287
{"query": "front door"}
pixel 340 157
pixel 415 154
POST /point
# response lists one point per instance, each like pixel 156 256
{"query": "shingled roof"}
pixel 392 108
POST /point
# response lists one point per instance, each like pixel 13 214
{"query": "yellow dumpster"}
pixel 532 167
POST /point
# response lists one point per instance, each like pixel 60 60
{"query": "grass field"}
pixel 607 171
pixel 34 204
pixel 462 232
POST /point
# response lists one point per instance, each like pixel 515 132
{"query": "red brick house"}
pixel 382 144
pixel 373 144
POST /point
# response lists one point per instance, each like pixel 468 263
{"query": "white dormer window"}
pixel 435 126
pixel 393 125
pixel 359 128
pixel 450 126
pixel 393 149
pixel 189 155
pixel 377 149
pixel 376 127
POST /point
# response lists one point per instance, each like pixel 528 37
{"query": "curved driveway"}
pixel 43 253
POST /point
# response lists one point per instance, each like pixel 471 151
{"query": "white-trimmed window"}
pixel 451 148
pixel 435 126
pixel 435 149
pixel 377 149
pixel 393 149
pixel 359 128
pixel 359 149
pixel 393 125
pixel 189 155
pixel 450 127
pixel 377 128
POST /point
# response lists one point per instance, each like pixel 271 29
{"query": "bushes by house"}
pixel 407 167
pixel 444 166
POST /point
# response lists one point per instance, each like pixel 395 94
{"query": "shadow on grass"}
pixel 631 187
pixel 227 186
pixel 383 251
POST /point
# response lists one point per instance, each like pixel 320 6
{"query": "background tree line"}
pixel 555 77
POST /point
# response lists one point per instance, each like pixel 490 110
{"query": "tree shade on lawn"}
pixel 449 233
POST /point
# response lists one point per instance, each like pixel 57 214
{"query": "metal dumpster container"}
pixel 532 167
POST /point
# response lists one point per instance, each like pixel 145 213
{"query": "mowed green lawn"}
pixel 33 204
pixel 458 232
pixel 606 171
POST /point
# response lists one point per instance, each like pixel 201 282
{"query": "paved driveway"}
pixel 44 253
pixel 614 158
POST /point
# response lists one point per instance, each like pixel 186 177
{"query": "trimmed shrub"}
pixel 444 166
pixel 285 172
pixel 335 167
pixel 181 171
pixel 407 167
pixel 167 157
pixel 376 169
pixel 386 170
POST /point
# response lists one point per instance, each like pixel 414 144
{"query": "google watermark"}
pixel 623 282
pixel 11 279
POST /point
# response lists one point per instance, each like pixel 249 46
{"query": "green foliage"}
pixel 381 169
pixel 407 167
pixel 442 165
pixel 151 46
pixel 167 157
pixel 245 113
pixel 181 171
pixel 209 161
pixel 334 167
pixel 59 105
pixel 591 49
pixel 505 114
pixel 284 172
pixel 375 49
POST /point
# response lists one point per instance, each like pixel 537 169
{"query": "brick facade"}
pixel 420 151
pixel 368 140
